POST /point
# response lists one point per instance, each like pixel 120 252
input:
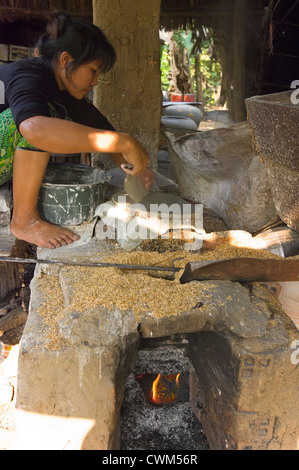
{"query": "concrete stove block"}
pixel 74 363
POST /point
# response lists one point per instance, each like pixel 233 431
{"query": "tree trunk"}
pixel 174 71
pixel 130 94
pixel 237 105
pixel 198 80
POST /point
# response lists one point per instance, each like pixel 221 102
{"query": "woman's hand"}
pixel 137 159
pixel 136 156
pixel 148 176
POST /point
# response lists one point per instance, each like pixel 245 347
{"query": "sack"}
pixel 220 170
pixel 289 299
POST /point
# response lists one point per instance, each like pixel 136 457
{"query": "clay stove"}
pixel 76 365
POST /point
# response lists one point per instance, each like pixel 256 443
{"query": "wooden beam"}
pixel 187 13
pixel 31 12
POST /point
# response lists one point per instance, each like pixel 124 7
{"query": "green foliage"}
pixel 184 39
pixel 203 67
pixel 165 64
pixel 211 75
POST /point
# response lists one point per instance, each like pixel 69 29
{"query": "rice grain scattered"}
pixel 140 292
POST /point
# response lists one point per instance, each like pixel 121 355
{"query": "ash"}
pixel 150 427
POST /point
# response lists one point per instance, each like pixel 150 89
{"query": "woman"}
pixel 46 112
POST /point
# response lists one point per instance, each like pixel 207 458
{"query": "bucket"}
pixel 289 299
pixel 188 98
pixel 70 193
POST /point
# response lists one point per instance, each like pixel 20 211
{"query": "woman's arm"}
pixel 66 137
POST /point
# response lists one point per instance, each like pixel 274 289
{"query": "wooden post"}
pixel 130 94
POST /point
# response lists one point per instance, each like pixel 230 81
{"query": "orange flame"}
pixel 154 389
pixel 163 391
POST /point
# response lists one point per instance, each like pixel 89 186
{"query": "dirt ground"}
pixel 214 120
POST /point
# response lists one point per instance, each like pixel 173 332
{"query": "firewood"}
pixel 15 318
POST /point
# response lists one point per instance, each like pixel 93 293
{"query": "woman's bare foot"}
pixel 32 229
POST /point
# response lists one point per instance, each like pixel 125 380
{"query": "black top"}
pixel 31 90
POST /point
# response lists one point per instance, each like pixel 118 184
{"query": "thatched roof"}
pixel 182 13
pixel 177 14
pixel 174 13
pixel 12 10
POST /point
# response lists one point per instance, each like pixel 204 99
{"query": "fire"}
pixel 165 389
pixel 154 389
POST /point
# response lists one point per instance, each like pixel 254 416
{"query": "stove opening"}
pixel 157 412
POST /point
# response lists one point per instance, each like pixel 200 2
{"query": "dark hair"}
pixel 84 41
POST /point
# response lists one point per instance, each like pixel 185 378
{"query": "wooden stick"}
pixel 89 265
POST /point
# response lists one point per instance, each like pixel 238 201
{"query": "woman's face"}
pixel 82 80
